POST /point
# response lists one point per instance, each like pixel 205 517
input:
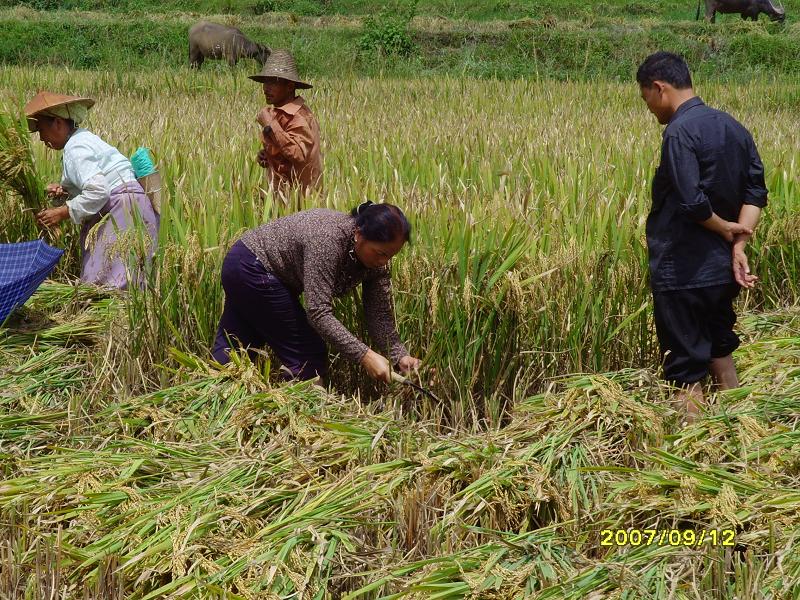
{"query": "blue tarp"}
pixel 23 268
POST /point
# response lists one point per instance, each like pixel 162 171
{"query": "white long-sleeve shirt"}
pixel 91 169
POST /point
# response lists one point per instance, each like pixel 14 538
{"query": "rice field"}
pixel 133 468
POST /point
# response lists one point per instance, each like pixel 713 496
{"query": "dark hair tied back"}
pixel 363 206
pixel 381 222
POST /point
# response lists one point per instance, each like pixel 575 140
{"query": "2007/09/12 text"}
pixel 667 537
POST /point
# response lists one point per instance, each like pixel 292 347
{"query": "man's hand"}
pixel 377 366
pixel 749 216
pixel 741 268
pixel 731 229
pixel 50 217
pixel 727 229
pixel 261 157
pixel 408 364
pixel 265 116
pixel 54 190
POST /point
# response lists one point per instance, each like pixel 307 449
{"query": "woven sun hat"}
pixel 280 64
pixel 56 105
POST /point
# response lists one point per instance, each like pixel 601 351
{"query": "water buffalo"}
pixel 212 40
pixel 749 9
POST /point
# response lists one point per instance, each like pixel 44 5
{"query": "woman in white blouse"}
pixel 104 196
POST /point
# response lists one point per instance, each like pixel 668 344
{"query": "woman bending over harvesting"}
pixel 321 254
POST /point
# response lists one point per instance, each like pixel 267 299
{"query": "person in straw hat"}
pixel 320 254
pixel 290 132
pixel 102 191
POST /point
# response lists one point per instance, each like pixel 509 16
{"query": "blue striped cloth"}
pixel 23 267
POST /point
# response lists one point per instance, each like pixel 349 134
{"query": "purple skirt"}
pixel 109 257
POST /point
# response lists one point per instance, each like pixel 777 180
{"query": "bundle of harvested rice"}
pixel 17 170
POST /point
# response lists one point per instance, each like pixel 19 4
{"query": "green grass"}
pixel 480 10
pixel 598 47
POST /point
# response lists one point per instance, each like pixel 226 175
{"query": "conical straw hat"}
pixel 280 64
pixel 44 101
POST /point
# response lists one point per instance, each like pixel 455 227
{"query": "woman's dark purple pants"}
pixel 260 311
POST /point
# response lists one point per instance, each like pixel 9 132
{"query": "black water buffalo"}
pixel 212 40
pixel 749 9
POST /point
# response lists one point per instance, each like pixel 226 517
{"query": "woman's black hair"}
pixel 381 222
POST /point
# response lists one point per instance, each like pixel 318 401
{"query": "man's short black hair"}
pixel 667 67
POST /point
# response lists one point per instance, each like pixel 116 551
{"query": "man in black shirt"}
pixel 708 193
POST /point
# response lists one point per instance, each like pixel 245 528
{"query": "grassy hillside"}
pixel 607 47
pixel 483 10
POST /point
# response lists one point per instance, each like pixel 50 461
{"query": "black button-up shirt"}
pixel 709 162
